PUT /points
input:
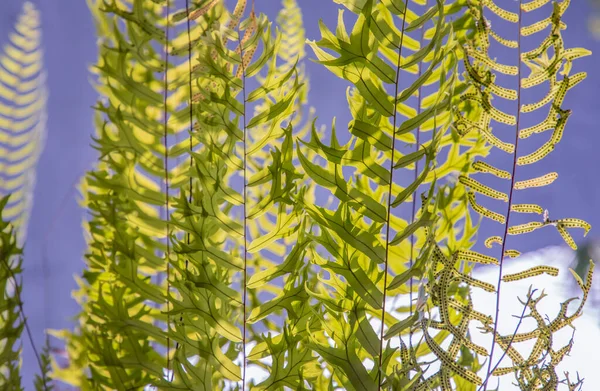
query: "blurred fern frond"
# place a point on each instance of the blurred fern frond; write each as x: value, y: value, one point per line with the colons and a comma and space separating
x: 22, y: 116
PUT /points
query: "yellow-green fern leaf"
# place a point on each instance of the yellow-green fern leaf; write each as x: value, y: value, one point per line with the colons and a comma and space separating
x: 22, y: 115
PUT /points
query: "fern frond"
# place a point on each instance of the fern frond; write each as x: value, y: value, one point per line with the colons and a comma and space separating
x: 11, y: 323
x: 22, y: 116
x: 238, y: 126
x: 401, y: 61
x: 43, y: 381
x: 121, y: 336
x: 549, y: 65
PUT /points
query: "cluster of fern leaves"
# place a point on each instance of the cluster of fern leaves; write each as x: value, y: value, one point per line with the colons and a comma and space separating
x: 235, y: 243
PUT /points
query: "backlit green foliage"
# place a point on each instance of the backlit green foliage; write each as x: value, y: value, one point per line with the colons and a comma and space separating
x: 234, y: 243
x: 12, y: 317
x: 11, y: 323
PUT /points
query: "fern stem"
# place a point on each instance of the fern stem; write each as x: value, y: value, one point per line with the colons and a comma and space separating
x: 166, y: 158
x: 389, y: 200
x: 245, y: 197
x: 187, y: 12
x: 416, y: 176
x: 510, y: 197
x: 24, y: 320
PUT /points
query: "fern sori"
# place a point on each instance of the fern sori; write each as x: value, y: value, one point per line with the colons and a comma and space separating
x: 550, y: 67
x: 22, y: 116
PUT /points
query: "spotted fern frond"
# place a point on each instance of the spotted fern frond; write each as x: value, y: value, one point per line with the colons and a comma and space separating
x: 548, y: 70
x: 22, y: 116
x: 549, y: 64
x: 539, y: 367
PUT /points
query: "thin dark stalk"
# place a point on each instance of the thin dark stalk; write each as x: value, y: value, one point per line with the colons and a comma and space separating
x: 484, y: 384
x: 245, y: 196
x: 389, y: 200
x: 166, y: 158
x: 190, y: 197
x: 510, y: 197
x: 24, y: 319
x: 416, y: 176
x: 187, y: 12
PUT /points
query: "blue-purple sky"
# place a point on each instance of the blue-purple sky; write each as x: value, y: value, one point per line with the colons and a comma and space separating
x: 70, y: 48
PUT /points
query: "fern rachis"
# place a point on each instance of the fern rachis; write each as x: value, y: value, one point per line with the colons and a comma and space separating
x: 543, y: 68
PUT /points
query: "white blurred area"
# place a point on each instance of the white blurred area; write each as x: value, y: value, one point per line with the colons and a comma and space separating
x: 585, y: 354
